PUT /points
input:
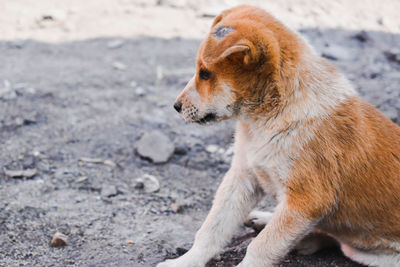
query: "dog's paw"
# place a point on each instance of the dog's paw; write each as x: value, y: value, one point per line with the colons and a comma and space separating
x: 258, y: 219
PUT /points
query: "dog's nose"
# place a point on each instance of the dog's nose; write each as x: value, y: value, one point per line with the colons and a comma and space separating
x: 178, y: 106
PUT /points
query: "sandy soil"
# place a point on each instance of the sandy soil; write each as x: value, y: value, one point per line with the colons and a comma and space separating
x: 87, y: 79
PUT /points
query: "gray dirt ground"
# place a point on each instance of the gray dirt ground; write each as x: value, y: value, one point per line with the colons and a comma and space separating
x: 89, y: 78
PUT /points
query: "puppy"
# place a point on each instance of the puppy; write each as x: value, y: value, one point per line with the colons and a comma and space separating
x: 302, y: 134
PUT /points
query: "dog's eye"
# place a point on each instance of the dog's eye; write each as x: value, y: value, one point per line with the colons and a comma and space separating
x: 204, y: 74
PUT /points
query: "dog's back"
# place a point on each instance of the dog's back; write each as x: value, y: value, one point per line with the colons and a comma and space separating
x: 352, y: 167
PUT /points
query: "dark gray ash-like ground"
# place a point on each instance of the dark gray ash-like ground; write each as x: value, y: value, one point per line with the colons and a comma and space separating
x: 70, y: 114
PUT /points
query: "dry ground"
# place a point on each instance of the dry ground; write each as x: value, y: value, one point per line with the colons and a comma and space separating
x: 89, y: 78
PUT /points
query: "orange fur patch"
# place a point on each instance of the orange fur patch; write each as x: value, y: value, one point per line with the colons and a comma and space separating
x: 349, y: 174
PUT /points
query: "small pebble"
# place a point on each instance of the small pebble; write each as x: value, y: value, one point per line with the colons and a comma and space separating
x: 139, y: 185
x: 133, y: 84
x: 28, y: 173
x: 115, y: 44
x: 59, y: 240
x: 150, y: 183
x: 336, y: 52
x: 393, y: 55
x: 108, y: 190
x: 362, y: 36
x: 140, y: 91
x: 181, y: 150
x: 119, y: 65
x: 175, y: 207
x: 212, y: 149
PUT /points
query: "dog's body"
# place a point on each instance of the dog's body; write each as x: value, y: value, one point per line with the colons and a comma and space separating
x: 331, y: 160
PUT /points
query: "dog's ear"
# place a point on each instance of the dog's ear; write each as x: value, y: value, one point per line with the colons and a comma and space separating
x: 239, y: 48
x: 241, y: 52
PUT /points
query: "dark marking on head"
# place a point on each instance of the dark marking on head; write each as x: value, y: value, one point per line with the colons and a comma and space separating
x: 222, y: 31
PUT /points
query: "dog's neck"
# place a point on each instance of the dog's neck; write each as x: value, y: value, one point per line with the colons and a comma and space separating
x: 309, y: 92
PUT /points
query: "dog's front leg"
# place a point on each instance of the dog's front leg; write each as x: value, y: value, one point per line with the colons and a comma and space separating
x: 235, y: 198
x: 286, y: 227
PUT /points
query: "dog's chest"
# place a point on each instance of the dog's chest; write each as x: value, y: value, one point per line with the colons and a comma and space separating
x: 268, y: 154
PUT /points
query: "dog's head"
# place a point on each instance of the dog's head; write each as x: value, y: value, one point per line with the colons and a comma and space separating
x: 237, y: 68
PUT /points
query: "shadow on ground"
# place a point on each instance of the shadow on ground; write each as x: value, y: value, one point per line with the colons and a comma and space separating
x: 96, y: 98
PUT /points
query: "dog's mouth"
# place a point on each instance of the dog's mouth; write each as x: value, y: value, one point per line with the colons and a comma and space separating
x: 209, y: 117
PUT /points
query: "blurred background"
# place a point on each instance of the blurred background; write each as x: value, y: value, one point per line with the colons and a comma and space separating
x: 97, y: 169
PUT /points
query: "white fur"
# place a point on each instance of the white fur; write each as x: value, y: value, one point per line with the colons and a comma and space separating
x: 370, y: 258
x: 260, y: 218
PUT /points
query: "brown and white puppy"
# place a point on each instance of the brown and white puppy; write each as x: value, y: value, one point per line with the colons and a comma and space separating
x: 332, y: 160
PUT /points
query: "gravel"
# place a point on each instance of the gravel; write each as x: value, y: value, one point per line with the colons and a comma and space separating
x: 90, y: 132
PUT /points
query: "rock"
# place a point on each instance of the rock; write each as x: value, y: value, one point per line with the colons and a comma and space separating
x: 393, y: 55
x: 115, y: 44
x: 155, y: 146
x: 47, y: 17
x: 59, y: 240
x: 181, y: 150
x: 18, y: 121
x: 139, y: 185
x: 362, y: 36
x: 150, y: 183
x: 108, y: 162
x: 52, y: 18
x: 108, y: 190
x: 336, y: 52
x: 212, y: 149
x: 175, y: 207
x: 7, y: 92
x: 83, y: 183
x: 119, y: 65
x: 28, y: 173
x: 140, y: 91
x: 28, y: 161
x: 17, y: 44
x: 228, y: 154
x: 30, y: 90
x: 20, y: 86
x: 133, y: 84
